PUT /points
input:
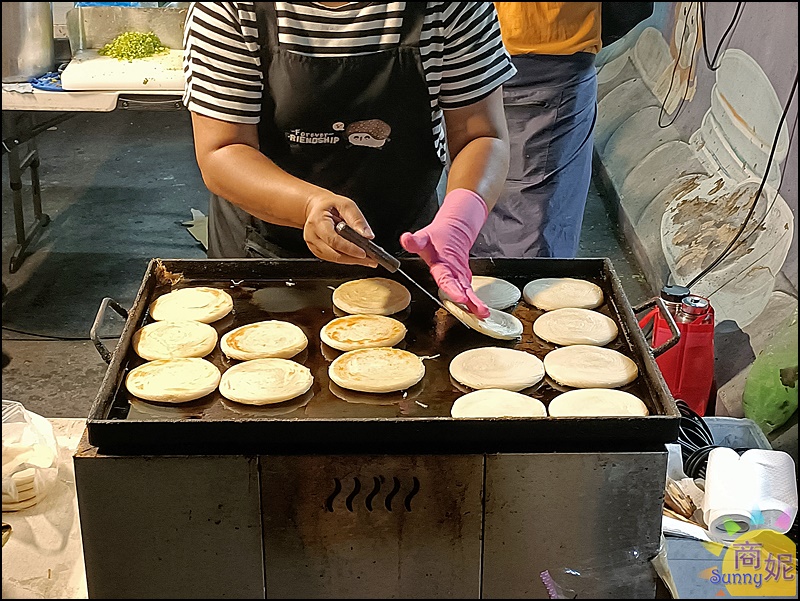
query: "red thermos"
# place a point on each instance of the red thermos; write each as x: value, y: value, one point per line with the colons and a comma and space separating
x: 688, y: 367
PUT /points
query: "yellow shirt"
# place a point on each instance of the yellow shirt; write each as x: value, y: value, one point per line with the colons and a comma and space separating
x: 550, y: 27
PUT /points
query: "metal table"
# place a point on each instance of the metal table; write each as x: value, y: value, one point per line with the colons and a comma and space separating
x: 21, y: 126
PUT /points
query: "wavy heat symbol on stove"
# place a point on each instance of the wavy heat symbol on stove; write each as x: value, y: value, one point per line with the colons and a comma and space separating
x: 369, y: 500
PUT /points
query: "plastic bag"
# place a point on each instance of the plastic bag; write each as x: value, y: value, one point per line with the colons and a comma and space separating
x: 770, y: 392
x: 618, y: 575
x: 30, y: 457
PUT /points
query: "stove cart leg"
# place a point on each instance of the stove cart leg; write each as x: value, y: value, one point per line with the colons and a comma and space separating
x: 20, y: 144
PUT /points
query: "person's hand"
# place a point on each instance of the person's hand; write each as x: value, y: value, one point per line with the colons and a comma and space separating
x: 445, y: 244
x: 323, y: 212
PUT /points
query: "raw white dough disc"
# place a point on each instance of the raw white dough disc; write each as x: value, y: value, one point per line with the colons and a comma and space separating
x: 174, y: 340
x: 377, y: 370
x: 497, y: 367
x: 265, y: 381
x: 263, y: 340
x: 372, y: 296
x: 593, y: 402
x: 496, y: 293
x: 499, y: 324
x: 353, y: 332
x: 558, y: 293
x: 496, y: 402
x: 584, y: 366
x: 575, y: 326
x: 173, y: 380
x: 194, y: 304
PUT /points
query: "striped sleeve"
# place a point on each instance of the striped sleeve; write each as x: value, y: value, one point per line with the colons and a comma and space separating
x: 474, y: 60
x: 222, y: 66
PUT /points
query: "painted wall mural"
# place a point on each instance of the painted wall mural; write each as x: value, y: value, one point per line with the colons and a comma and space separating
x: 686, y: 147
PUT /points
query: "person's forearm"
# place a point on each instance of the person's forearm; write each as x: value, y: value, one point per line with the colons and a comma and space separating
x: 481, y: 166
x: 244, y: 176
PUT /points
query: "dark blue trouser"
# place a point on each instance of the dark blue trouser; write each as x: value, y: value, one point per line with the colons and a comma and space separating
x: 551, y: 107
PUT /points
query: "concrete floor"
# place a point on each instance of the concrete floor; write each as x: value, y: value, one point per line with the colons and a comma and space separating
x: 117, y: 187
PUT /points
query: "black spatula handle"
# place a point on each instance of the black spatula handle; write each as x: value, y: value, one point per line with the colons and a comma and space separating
x: 384, y: 259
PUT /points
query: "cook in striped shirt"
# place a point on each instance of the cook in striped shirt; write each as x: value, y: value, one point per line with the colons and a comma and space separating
x: 310, y: 113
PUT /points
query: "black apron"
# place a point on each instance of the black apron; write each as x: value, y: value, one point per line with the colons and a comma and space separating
x: 359, y: 126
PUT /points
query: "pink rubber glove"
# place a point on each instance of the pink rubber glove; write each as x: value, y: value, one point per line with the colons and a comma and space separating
x: 445, y: 244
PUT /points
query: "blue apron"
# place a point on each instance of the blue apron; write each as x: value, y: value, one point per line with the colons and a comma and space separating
x: 551, y: 107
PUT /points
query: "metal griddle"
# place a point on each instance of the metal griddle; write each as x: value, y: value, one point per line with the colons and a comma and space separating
x: 331, y: 420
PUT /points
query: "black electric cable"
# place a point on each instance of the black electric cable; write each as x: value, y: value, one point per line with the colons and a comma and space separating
x: 663, y: 107
x: 737, y: 15
x: 695, y: 440
x: 749, y: 215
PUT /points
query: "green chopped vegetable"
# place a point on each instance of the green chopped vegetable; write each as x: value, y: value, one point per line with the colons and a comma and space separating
x: 131, y: 45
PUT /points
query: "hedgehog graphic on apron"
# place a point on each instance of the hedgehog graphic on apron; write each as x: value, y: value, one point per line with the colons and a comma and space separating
x: 373, y: 133
x: 370, y: 115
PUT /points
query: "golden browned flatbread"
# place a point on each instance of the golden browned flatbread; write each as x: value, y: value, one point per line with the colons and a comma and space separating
x: 174, y: 340
x: 173, y: 380
x: 263, y: 340
x: 584, y: 366
x: 575, y: 326
x: 362, y: 331
x: 549, y: 294
x: 377, y: 370
x: 265, y: 381
x: 371, y: 296
x: 194, y: 304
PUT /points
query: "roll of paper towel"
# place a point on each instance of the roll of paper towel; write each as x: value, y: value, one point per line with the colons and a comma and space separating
x: 754, y: 491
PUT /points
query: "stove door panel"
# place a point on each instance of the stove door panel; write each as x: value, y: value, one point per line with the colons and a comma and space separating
x: 372, y: 526
x: 596, y: 514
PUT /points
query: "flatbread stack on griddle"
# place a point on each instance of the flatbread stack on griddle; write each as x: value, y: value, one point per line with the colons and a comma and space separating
x: 265, y: 381
x: 585, y: 366
x: 549, y: 294
x: 173, y: 380
x: 263, y: 340
x: 495, y: 402
x: 497, y: 367
x: 499, y: 324
x: 378, y: 370
x: 174, y: 340
x: 495, y: 292
x: 569, y: 326
x: 371, y: 296
x: 597, y: 402
x: 354, y: 332
x: 194, y: 304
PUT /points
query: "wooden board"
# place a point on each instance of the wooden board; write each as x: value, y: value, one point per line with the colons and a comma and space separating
x: 89, y: 71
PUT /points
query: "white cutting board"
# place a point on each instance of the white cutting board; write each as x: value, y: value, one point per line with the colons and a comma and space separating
x: 89, y: 71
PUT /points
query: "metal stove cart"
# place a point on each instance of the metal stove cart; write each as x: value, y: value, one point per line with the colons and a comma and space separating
x: 350, y: 495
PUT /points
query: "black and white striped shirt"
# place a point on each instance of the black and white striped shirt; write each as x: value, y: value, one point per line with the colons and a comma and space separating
x: 462, y: 52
